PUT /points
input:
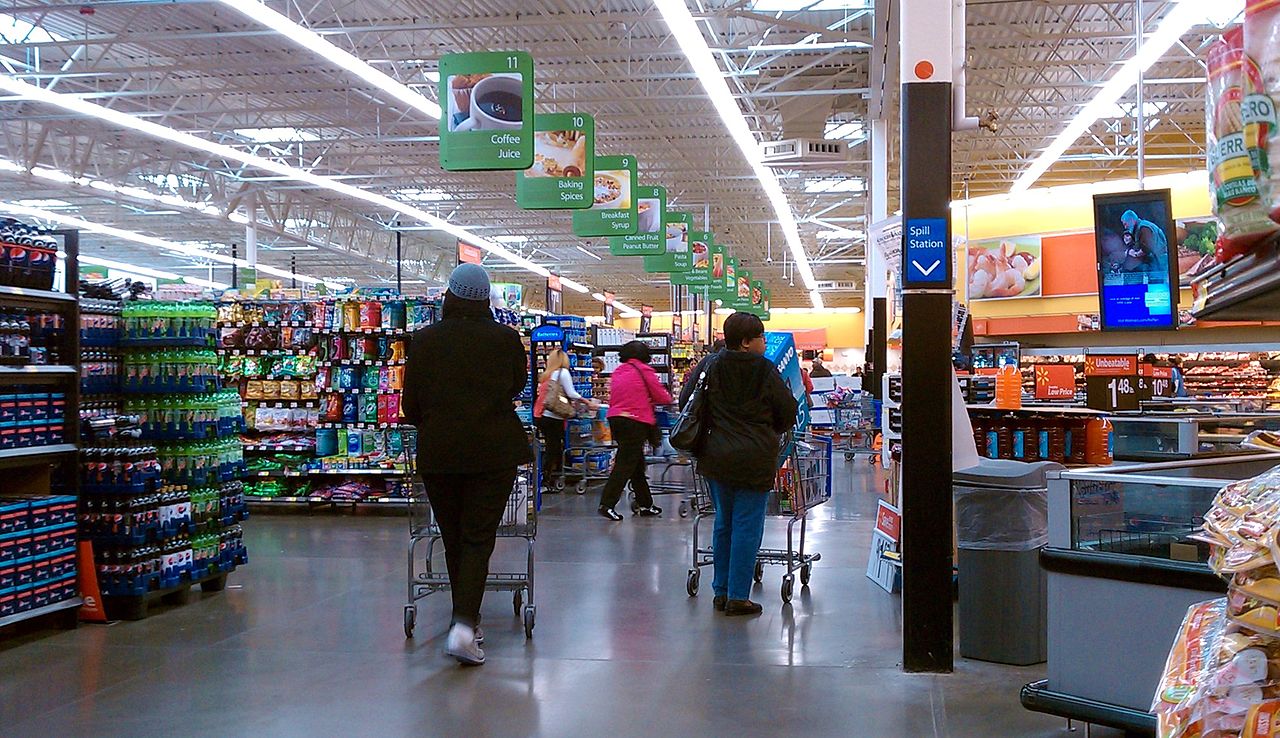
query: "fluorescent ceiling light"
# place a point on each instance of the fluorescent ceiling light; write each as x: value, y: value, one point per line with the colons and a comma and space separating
x: 815, y: 46
x: 597, y: 257
x: 287, y: 248
x: 1183, y: 16
x: 418, y: 194
x: 45, y: 203
x: 282, y: 134
x: 149, y: 272
x: 575, y: 286
x: 313, y: 42
x: 146, y: 240
x: 689, y: 36
x: 511, y: 239
x: 794, y: 6
x: 834, y: 184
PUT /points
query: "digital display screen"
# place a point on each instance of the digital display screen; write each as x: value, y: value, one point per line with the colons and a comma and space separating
x: 1137, y: 284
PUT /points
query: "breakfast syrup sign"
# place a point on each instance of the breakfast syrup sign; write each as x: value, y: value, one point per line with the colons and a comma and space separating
x: 563, y: 171
x: 649, y: 239
x: 613, y: 209
x: 486, y: 119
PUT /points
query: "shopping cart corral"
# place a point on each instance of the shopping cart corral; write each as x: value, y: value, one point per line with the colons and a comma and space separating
x: 803, y: 483
x: 519, y: 521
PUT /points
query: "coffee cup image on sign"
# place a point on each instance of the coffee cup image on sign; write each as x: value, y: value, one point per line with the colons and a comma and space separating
x: 700, y: 255
x: 677, y: 238
x: 486, y: 102
x: 558, y: 154
x: 649, y: 211
x: 717, y: 266
x: 612, y: 190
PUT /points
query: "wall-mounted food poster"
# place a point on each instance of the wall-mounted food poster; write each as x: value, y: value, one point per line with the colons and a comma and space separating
x: 677, y: 256
x: 487, y: 105
x: 649, y: 238
x: 699, y: 274
x: 1004, y: 267
x: 613, y: 209
x: 563, y: 170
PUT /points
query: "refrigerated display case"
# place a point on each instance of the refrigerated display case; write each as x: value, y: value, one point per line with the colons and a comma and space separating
x: 1168, y: 436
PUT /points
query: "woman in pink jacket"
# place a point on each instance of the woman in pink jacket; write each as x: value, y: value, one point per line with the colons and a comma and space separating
x: 633, y: 391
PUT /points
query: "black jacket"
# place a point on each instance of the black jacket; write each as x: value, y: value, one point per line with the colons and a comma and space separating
x: 460, y: 379
x: 750, y: 409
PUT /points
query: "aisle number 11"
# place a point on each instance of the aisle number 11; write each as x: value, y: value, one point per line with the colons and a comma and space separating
x: 486, y: 101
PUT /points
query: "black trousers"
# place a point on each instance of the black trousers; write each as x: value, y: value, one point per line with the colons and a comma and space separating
x: 552, y: 430
x: 468, y: 509
x: 630, y: 435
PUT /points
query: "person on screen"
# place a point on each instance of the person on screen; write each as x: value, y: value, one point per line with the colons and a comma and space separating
x: 1146, y: 244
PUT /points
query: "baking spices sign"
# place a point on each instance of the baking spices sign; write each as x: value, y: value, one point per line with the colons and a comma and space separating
x: 563, y: 173
x: 613, y: 210
x: 486, y: 120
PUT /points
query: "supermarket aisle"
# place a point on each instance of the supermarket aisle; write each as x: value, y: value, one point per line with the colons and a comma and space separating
x: 309, y: 642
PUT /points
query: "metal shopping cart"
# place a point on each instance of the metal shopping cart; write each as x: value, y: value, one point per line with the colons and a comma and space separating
x: 803, y: 483
x: 519, y: 520
x: 856, y: 426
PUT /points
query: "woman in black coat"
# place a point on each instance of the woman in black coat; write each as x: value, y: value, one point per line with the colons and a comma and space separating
x: 750, y: 407
x: 461, y: 376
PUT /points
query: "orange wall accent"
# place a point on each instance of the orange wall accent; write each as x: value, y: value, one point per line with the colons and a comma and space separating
x: 1070, y: 265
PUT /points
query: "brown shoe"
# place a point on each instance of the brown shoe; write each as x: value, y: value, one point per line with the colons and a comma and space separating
x: 718, y: 602
x: 742, y: 607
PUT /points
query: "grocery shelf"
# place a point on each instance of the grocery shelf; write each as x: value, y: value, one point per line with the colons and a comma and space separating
x: 18, y: 617
x: 252, y: 500
x: 34, y: 452
x: 1245, y: 288
x: 284, y: 404
x: 281, y: 447
x: 34, y: 298
x: 31, y: 371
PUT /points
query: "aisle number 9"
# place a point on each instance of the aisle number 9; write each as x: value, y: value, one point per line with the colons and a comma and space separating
x: 625, y: 162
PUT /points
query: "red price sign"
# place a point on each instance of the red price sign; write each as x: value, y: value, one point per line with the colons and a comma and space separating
x: 1055, y: 382
x: 888, y: 521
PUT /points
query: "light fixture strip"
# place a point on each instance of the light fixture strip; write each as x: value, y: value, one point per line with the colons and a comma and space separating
x: 148, y: 271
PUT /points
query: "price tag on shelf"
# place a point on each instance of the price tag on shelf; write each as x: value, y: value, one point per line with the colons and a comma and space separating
x: 1111, y: 382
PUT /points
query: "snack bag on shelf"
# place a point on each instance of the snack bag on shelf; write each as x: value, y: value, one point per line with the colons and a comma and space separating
x: 1262, y: 720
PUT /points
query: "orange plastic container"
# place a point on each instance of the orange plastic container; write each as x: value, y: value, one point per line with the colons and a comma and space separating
x: 1009, y: 388
x: 1099, y: 442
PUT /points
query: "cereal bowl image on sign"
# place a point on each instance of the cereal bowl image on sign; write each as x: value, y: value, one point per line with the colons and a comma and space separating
x: 487, y: 101
x: 613, y: 209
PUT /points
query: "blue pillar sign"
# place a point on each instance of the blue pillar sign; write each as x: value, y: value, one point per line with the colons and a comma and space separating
x: 926, y: 261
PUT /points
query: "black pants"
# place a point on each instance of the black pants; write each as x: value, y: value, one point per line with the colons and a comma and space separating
x: 552, y: 430
x: 468, y: 509
x: 630, y: 435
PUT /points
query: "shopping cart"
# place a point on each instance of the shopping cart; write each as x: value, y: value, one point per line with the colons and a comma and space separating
x: 588, y: 449
x: 856, y: 426
x: 803, y: 483
x: 519, y: 520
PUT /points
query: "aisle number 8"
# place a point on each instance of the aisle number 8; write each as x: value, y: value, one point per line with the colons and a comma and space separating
x: 513, y: 62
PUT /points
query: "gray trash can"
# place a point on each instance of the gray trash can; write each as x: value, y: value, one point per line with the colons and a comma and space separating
x: 1002, y: 521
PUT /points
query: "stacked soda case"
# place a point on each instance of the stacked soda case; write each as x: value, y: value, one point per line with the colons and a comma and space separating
x: 37, y: 552
x: 101, y: 360
x: 169, y: 324
x: 28, y: 255
x: 31, y: 416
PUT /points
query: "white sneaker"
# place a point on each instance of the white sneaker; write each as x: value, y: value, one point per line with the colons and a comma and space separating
x: 462, y: 645
x: 479, y: 636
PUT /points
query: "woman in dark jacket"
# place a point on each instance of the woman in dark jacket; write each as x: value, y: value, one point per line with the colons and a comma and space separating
x: 750, y: 407
x: 461, y: 376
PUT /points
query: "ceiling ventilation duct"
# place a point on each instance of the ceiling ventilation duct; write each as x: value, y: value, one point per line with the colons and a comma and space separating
x: 800, y: 152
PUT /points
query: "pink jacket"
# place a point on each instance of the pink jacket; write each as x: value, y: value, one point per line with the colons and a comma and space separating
x: 633, y: 391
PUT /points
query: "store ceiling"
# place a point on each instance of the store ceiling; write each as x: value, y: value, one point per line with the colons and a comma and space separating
x: 203, y: 68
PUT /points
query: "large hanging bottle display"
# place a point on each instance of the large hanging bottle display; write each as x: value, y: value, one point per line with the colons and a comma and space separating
x: 163, y: 509
x: 320, y: 382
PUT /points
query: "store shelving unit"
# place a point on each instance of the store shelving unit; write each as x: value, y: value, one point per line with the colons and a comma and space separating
x: 1245, y: 288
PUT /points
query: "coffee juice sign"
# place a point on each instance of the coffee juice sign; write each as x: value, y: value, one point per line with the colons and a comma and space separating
x: 613, y: 209
x: 486, y: 101
x: 563, y: 171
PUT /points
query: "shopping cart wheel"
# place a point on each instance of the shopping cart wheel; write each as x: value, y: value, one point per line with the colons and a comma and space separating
x: 581, y: 487
x: 530, y: 616
x: 848, y: 456
x: 517, y: 600
x: 558, y: 484
x: 873, y: 459
x: 759, y: 574
x: 788, y: 586
x: 691, y: 584
x: 806, y: 572
x: 410, y: 619
x: 684, y: 508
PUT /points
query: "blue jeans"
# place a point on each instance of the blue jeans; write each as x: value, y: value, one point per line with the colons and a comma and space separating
x: 736, y: 537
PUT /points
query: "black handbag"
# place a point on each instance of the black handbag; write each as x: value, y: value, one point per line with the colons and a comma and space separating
x: 692, y: 424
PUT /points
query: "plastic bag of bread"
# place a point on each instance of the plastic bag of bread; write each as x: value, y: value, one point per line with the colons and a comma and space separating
x: 1260, y: 41
x: 1236, y: 145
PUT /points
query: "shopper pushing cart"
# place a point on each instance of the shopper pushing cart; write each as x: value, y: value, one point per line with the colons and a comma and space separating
x: 746, y: 408
x: 461, y: 378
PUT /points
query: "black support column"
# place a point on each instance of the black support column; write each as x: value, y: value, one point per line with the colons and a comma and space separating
x: 927, y: 616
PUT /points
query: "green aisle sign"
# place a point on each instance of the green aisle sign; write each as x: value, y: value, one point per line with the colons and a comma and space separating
x: 486, y: 120
x: 677, y: 257
x: 726, y: 287
x: 764, y: 305
x: 564, y: 146
x: 613, y: 209
x: 757, y: 296
x: 742, y: 299
x: 649, y: 238
x: 701, y: 245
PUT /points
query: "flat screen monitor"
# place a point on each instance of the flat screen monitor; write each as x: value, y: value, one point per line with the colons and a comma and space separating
x: 1137, y: 279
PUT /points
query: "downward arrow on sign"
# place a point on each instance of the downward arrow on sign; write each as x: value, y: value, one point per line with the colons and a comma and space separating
x: 923, y: 271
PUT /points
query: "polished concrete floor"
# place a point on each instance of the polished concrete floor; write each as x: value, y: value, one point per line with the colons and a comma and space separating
x: 307, y: 641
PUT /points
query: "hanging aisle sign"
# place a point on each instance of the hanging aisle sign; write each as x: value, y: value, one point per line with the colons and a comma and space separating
x: 676, y: 259
x: 757, y: 296
x: 700, y: 247
x: 725, y: 288
x: 646, y: 318
x: 608, y: 308
x: 649, y: 238
x: 613, y: 208
x: 764, y: 305
x: 563, y: 164
x: 487, y: 111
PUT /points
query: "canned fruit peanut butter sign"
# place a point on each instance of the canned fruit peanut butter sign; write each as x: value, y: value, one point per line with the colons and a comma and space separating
x: 649, y: 239
x: 563, y: 170
x: 613, y: 208
x: 486, y: 102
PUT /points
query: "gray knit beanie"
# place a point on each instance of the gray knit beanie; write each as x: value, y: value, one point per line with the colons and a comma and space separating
x: 470, y: 282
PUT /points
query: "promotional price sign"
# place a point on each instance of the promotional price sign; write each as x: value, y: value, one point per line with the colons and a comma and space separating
x: 487, y: 110
x: 1111, y: 382
x: 699, y: 274
x: 555, y: 295
x: 677, y: 255
x: 468, y: 254
x: 649, y: 238
x: 608, y: 308
x: 1055, y: 381
x: 563, y: 173
x: 1154, y: 381
x: 646, y: 318
x: 613, y: 208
